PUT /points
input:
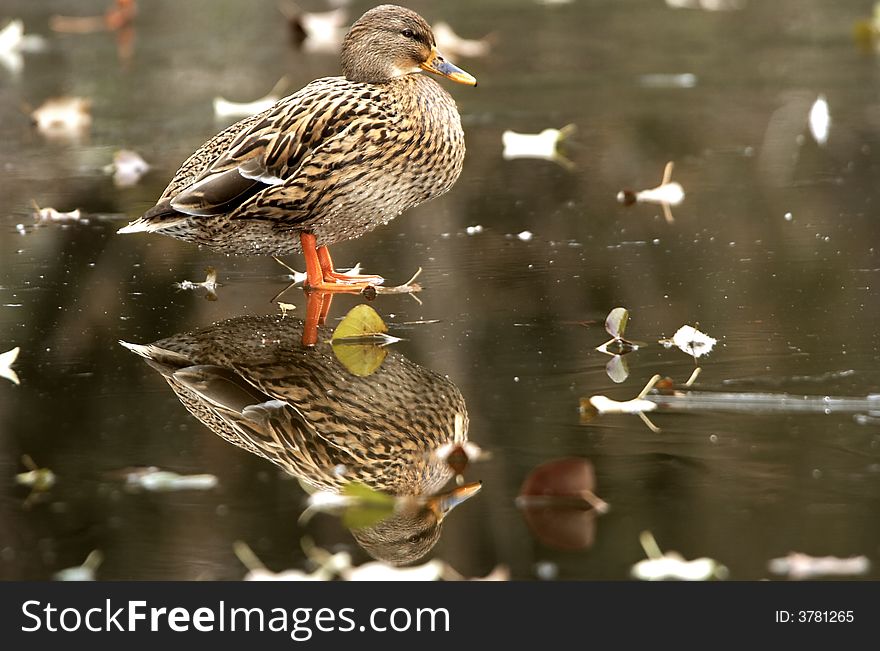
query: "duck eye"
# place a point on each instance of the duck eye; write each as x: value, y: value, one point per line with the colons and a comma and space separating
x: 408, y: 33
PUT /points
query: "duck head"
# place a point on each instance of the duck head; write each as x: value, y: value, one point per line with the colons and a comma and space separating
x: 389, y: 42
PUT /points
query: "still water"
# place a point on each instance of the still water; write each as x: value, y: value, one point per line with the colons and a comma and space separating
x: 774, y: 252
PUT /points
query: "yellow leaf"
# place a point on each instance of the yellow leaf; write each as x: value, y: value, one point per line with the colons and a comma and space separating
x: 361, y: 321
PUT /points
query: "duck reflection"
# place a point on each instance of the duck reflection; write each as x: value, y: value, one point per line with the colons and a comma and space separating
x: 251, y: 381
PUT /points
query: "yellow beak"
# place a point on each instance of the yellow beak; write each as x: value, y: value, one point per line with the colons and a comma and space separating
x: 440, y: 66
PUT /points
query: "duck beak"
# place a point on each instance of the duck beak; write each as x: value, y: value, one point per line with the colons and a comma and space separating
x: 442, y: 504
x: 440, y: 66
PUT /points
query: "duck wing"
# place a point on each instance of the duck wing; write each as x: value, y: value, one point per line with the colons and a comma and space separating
x: 271, y: 147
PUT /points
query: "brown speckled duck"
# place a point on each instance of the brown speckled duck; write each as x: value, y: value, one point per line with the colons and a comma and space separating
x: 329, y: 163
x: 252, y: 383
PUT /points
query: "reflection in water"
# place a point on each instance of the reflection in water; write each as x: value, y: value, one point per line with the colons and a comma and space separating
x: 252, y: 382
x: 558, y: 502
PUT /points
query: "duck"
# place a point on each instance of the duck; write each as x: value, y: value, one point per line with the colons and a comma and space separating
x: 329, y: 163
x: 251, y: 382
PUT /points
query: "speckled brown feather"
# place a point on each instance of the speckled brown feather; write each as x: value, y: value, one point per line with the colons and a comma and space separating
x: 337, y: 158
x: 250, y: 381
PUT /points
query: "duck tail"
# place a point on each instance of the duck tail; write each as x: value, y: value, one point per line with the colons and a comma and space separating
x: 158, y: 218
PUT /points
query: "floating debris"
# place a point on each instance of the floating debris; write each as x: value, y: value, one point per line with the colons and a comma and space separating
x: 544, y: 145
x: 677, y: 80
x: 707, y: 5
x: 455, y: 46
x: 691, y: 341
x: 316, y: 32
x: 820, y: 120
x: 667, y: 194
x: 56, y: 216
x: 802, y: 566
x: 84, y: 572
x: 223, y: 108
x: 295, y: 277
x: 7, y: 359
x: 257, y: 571
x: 285, y: 308
x: 672, y: 565
x: 153, y: 479
x: 433, y: 570
x: 525, y: 236
x: 127, y: 168
x: 599, y: 405
x: 14, y: 42
x: 40, y: 480
x: 615, y: 325
x: 63, y: 117
x: 210, y: 284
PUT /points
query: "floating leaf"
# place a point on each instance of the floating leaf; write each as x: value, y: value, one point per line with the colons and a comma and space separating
x: 7, y: 359
x: 454, y: 46
x: 84, y: 572
x: 615, y: 322
x: 210, y: 284
x: 691, y: 341
x: 361, y: 360
x: 155, y: 480
x: 802, y: 566
x: 376, y: 571
x: 820, y: 120
x: 672, y: 565
x: 361, y: 322
x: 668, y: 193
x: 544, y: 145
x: 127, y: 168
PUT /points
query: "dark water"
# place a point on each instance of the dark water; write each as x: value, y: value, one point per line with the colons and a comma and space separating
x: 792, y: 300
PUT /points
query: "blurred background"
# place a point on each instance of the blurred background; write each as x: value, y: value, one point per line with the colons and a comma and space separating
x: 773, y: 252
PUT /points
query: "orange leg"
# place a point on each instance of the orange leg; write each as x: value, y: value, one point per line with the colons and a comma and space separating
x: 317, y: 308
x: 330, y: 272
x: 320, y: 275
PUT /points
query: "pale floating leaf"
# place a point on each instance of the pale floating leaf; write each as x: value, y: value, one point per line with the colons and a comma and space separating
x: 543, y: 145
x: 672, y: 566
x: 38, y: 479
x: 52, y: 215
x: 155, y: 480
x: 7, y: 359
x: 127, y: 168
x: 84, y: 572
x: 615, y: 322
x: 375, y: 571
x: 317, y: 32
x: 691, y: 341
x: 675, y: 567
x: 820, y: 120
x: 63, y: 117
x: 802, y: 566
x: 361, y: 322
x: 605, y: 405
x: 285, y: 308
x: 454, y: 46
x: 668, y: 193
x: 257, y: 571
